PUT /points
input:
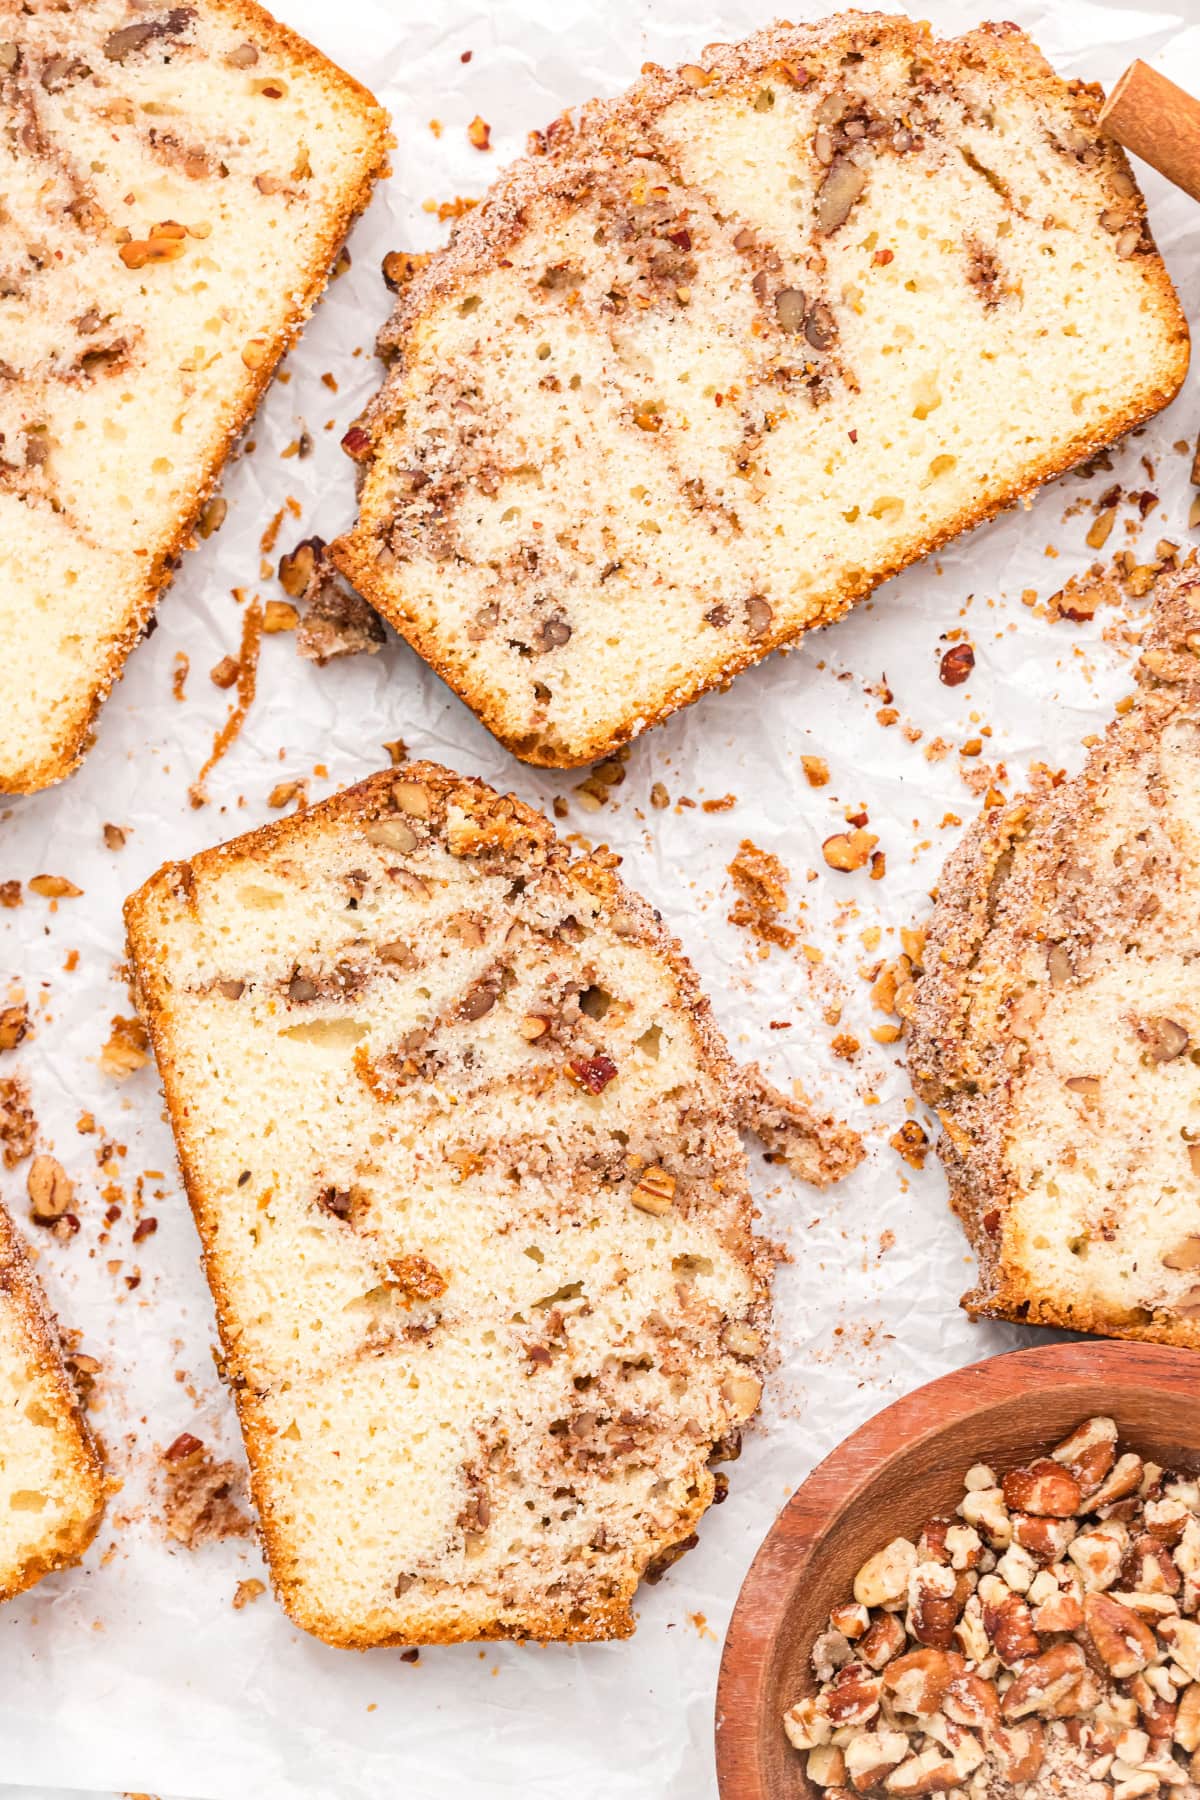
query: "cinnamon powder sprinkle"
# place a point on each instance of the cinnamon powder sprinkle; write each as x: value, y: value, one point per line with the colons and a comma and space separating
x: 247, y: 682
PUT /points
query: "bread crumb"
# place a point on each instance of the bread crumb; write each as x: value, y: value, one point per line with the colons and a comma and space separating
x: 199, y: 1501
x: 18, y: 1127
x: 761, y: 881
x: 449, y: 209
x: 267, y: 542
x: 247, y: 682
x: 817, y: 1149
x: 127, y: 1049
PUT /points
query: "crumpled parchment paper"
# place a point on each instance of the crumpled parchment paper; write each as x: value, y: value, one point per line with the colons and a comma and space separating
x: 136, y: 1673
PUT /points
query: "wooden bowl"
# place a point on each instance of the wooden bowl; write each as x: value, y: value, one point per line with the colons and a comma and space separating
x: 884, y: 1482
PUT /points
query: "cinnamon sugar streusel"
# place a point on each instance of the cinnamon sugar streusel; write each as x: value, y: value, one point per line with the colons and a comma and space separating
x: 678, y: 324
x: 1055, y: 1028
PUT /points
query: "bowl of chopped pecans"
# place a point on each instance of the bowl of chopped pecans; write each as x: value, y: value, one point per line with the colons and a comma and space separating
x: 992, y: 1589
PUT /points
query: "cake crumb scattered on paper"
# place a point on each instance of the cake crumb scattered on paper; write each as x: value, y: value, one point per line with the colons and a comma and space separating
x: 761, y: 881
x: 201, y: 1495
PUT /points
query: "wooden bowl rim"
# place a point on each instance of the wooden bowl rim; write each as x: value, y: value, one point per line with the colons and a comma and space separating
x: 837, y: 1482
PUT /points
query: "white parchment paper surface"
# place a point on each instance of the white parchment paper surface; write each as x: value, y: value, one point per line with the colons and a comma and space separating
x: 135, y: 1672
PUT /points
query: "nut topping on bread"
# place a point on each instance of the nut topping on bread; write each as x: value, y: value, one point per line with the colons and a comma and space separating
x: 174, y: 194
x: 51, y: 1480
x: 727, y: 351
x: 461, y: 1138
x: 1056, y: 1023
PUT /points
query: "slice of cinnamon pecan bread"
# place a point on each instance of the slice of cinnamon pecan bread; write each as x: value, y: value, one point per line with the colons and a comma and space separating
x: 176, y: 182
x: 51, y: 1481
x: 1057, y: 1026
x: 734, y: 348
x: 460, y: 1135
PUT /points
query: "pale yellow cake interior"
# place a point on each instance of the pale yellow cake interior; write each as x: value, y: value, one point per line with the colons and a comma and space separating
x: 163, y: 199
x: 50, y: 1489
x: 481, y: 1381
x: 696, y: 402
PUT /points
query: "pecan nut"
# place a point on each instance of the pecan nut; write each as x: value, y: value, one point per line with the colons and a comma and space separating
x: 935, y: 1602
x: 883, y: 1639
x: 1089, y: 1452
x: 917, y: 1682
x: 883, y: 1579
x: 1045, y: 1488
x: 1043, y: 1682
x: 871, y: 1755
x: 1122, y: 1642
x: 1007, y: 1621
x: 852, y: 1697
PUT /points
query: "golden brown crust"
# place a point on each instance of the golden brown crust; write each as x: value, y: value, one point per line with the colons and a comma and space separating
x: 996, y: 896
x: 163, y: 558
x: 603, y: 1620
x: 612, y: 131
x: 510, y: 822
x: 22, y: 1293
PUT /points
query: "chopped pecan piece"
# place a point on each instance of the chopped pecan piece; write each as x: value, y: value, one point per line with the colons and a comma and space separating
x: 654, y: 1192
x: 852, y: 1697
x: 956, y: 665
x: 917, y: 1681
x: 1089, y: 1453
x: 50, y: 1190
x: 14, y: 1026
x: 1008, y: 1622
x: 1122, y: 1642
x: 128, y: 39
x: 1043, y: 1682
x: 592, y: 1073
x: 415, y: 1278
x: 869, y: 1756
x: 1045, y: 1488
x: 883, y: 1578
x: 883, y: 1639
x: 934, y: 1604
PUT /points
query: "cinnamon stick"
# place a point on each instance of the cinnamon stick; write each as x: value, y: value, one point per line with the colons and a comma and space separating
x: 1157, y: 121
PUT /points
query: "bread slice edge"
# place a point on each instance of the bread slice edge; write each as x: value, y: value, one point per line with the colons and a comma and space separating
x: 163, y: 557
x: 23, y: 1293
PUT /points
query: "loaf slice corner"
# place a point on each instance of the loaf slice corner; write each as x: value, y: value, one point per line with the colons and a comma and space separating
x: 461, y: 1139
x: 1056, y: 1029
x: 178, y: 182
x: 730, y: 350
x: 52, y: 1486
